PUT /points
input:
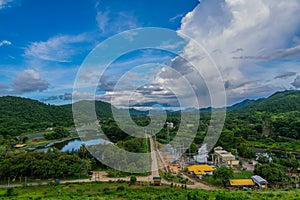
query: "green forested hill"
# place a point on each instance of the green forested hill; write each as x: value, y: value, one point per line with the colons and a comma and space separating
x: 279, y: 102
x: 269, y: 122
x: 18, y: 115
x: 279, y: 113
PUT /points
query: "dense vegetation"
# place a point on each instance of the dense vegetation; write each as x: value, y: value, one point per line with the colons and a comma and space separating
x: 278, y: 171
x: 224, y: 174
x: 19, y: 115
x: 137, y: 191
x: 272, y: 123
x: 274, y: 119
x: 43, y: 165
x: 59, y: 132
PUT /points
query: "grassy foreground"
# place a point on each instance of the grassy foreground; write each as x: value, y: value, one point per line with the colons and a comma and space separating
x: 124, y: 191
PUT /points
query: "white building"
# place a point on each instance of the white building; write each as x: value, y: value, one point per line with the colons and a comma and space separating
x: 202, y: 154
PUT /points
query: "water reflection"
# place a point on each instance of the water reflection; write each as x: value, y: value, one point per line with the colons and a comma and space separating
x: 74, y: 145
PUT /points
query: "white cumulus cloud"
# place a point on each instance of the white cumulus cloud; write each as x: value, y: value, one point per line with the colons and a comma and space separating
x: 5, y: 42
x: 28, y: 81
x: 253, y: 29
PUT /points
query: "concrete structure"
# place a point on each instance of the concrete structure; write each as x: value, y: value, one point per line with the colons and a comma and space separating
x: 202, y: 154
x: 222, y: 156
x: 260, y: 182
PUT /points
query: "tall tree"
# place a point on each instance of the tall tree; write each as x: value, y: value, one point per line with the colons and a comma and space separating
x: 224, y: 174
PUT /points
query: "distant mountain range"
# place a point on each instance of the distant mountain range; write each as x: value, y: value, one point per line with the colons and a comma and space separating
x: 279, y: 102
x: 18, y: 115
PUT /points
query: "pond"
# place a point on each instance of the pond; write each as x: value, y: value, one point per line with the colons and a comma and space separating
x: 74, y: 144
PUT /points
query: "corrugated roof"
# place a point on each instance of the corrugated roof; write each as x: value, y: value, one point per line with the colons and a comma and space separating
x: 241, y: 182
x: 200, y: 169
x: 259, y: 179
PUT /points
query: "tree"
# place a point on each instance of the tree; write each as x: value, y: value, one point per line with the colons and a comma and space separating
x: 224, y: 174
x: 245, y: 150
x: 59, y: 132
x: 272, y: 172
x: 193, y: 148
x: 133, y: 179
x: 83, y: 152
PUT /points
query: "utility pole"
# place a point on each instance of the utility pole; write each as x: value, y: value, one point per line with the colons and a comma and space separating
x: 168, y: 135
x: 149, y: 163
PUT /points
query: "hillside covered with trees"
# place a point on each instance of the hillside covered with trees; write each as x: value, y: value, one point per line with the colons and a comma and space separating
x: 21, y: 115
x: 268, y: 120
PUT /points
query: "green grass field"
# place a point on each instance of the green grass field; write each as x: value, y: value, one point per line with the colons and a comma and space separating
x: 243, y: 175
x: 138, y: 191
x: 291, y: 145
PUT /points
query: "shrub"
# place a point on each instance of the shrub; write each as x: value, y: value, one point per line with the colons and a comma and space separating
x: 79, y: 191
x: 120, y: 188
x: 133, y: 179
x: 10, y: 192
x: 106, y: 190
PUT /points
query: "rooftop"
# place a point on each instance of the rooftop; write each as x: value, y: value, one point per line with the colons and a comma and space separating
x: 259, y: 179
x: 200, y: 169
x: 225, y: 155
x: 241, y: 182
x: 19, y: 145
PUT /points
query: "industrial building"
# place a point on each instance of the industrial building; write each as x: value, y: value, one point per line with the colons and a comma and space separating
x: 200, y: 170
x: 202, y: 155
x: 222, y: 156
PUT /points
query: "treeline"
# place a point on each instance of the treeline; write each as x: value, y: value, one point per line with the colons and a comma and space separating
x: 43, y: 165
x: 278, y: 171
x: 59, y: 132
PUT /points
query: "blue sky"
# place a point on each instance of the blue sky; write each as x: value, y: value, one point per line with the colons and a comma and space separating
x: 255, y: 46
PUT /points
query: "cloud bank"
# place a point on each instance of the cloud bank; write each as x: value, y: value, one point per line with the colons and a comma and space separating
x: 228, y: 29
